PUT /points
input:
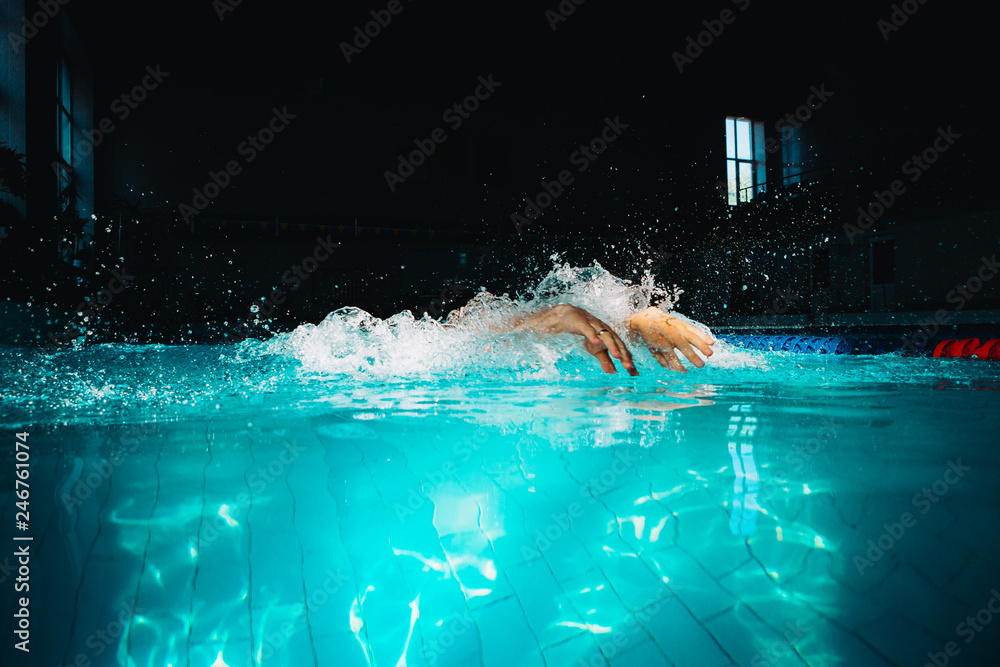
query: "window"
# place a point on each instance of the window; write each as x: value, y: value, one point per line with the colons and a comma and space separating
x: 745, y: 175
x: 64, y: 123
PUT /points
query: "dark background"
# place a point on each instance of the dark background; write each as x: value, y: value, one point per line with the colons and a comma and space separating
x: 654, y: 192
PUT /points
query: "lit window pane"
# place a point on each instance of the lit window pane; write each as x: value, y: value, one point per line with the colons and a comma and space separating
x: 731, y: 181
x: 743, y: 151
x: 64, y: 87
x: 730, y: 138
x: 761, y: 178
x: 746, y: 181
x: 759, y: 153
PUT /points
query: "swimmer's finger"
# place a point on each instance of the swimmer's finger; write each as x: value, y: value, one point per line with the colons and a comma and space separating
x: 702, y: 341
x: 609, y: 340
x: 591, y: 331
x: 692, y: 356
x: 624, y: 355
x: 607, y: 365
x: 669, y: 360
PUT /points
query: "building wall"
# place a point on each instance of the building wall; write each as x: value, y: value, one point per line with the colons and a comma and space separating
x: 13, y: 96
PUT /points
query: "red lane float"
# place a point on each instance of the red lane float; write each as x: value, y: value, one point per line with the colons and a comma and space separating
x: 968, y: 348
x: 990, y: 349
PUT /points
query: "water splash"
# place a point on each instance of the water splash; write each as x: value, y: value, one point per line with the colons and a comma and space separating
x: 472, y: 340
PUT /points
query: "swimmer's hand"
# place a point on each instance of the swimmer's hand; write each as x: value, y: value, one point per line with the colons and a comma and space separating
x: 664, y: 334
x: 599, y: 338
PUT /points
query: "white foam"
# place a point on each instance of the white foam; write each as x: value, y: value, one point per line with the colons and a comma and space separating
x: 474, y: 339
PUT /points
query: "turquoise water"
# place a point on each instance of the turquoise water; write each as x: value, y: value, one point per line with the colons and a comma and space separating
x: 398, y: 493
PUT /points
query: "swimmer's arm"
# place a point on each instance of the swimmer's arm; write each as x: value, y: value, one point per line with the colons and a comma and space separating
x: 599, y: 338
x: 663, y: 335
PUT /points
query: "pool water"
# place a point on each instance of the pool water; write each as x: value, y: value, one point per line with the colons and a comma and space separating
x: 398, y: 493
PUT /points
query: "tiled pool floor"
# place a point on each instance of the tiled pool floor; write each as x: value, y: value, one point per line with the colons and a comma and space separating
x: 730, y: 533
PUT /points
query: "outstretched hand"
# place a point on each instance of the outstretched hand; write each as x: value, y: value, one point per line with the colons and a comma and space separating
x: 663, y: 335
x: 599, y: 339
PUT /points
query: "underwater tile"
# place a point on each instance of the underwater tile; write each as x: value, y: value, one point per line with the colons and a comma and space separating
x: 105, y: 601
x: 451, y: 638
x: 49, y: 641
x: 233, y: 651
x: 387, y: 613
x: 692, y: 495
x: 351, y: 484
x: 633, y: 581
x: 220, y: 603
x: 566, y: 557
x: 746, y: 638
x: 61, y: 562
x: 318, y: 529
x: 854, y: 573
x: 821, y: 642
x: 761, y: 593
x: 163, y: 598
x: 588, y: 463
x: 455, y: 511
x: 509, y: 478
x: 815, y: 586
x: 364, y: 530
x: 275, y: 572
x: 646, y: 653
x: 973, y: 583
x: 707, y: 533
x: 572, y: 651
x: 614, y: 628
x: 899, y: 640
x: 935, y: 559
x: 780, y: 554
x: 273, y: 512
x: 513, y: 549
x: 340, y: 649
x: 595, y: 600
x: 909, y: 594
x: 506, y: 636
x: 330, y: 591
x: 979, y: 532
x: 550, y: 615
x: 473, y: 564
x: 680, y: 637
x: 281, y: 636
x: 699, y: 591
x: 589, y: 520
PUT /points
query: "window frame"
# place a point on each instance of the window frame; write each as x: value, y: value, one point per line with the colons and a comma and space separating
x: 746, y: 169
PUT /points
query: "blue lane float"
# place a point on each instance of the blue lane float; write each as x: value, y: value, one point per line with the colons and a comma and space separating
x: 814, y: 344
